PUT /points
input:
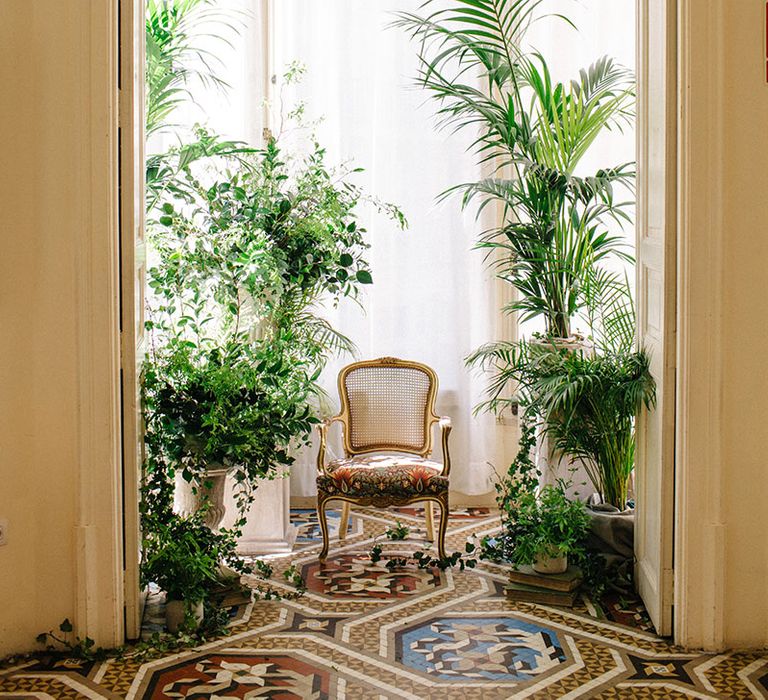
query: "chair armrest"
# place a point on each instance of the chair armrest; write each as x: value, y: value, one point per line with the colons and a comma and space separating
x: 322, y: 431
x: 445, y: 430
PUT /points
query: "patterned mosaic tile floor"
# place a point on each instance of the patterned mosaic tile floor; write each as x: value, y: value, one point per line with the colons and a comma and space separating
x: 362, y: 631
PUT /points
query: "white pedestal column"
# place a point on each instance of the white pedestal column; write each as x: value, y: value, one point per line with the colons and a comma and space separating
x: 268, y: 528
x: 553, y: 468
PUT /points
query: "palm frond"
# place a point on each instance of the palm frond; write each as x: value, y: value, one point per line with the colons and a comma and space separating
x: 174, y: 58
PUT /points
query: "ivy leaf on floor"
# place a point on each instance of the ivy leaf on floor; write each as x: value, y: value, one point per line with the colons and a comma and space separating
x: 398, y: 531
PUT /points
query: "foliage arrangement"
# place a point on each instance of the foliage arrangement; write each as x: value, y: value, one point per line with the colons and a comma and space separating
x: 183, y: 557
x: 554, y: 242
x: 584, y: 400
x: 547, y: 524
x: 534, y: 523
x: 243, y: 261
x: 398, y: 531
x: 589, y: 405
x: 533, y: 133
x: 246, y: 243
x: 423, y: 559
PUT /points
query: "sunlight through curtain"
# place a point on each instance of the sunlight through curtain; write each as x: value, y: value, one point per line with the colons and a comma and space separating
x: 432, y: 299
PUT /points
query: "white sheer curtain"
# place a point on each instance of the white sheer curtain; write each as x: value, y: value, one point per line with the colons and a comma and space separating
x: 432, y: 299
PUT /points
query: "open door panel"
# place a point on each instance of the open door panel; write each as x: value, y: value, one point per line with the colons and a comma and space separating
x: 656, y: 303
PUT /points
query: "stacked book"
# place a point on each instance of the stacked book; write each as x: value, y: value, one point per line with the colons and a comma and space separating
x: 528, y: 586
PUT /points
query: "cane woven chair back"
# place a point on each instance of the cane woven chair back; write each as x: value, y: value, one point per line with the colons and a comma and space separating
x: 388, y: 404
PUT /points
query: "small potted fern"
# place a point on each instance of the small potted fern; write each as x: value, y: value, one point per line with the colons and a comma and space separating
x: 546, y: 528
x: 182, y: 556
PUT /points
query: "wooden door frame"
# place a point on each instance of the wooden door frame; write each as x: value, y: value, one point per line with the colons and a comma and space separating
x: 132, y: 257
x: 99, y: 527
x: 700, y: 471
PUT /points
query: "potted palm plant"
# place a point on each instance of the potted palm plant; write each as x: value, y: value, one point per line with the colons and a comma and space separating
x: 534, y: 132
x: 555, y: 236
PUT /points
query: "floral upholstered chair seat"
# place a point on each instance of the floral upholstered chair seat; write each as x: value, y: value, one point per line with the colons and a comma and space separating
x: 383, y: 475
x: 387, y: 416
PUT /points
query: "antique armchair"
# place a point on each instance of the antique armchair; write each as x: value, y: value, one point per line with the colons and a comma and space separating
x: 387, y: 406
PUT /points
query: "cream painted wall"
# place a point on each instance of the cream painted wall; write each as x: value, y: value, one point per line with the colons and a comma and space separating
x: 58, y: 411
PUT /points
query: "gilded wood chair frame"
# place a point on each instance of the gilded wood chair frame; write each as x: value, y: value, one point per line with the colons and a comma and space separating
x: 425, y: 450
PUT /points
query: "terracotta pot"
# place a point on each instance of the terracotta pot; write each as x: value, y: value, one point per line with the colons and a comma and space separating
x: 545, y: 564
x: 175, y: 611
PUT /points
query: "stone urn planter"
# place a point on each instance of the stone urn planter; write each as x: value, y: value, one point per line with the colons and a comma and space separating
x: 175, y: 612
x: 268, y: 528
x: 187, y: 501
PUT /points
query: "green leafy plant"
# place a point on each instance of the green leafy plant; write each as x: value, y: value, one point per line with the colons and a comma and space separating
x: 218, y: 408
x: 174, y: 57
x: 74, y: 646
x: 546, y: 524
x: 245, y: 245
x: 398, y: 531
x: 244, y: 259
x: 423, y: 559
x: 535, y: 522
x: 589, y: 403
x: 183, y: 556
x: 554, y: 240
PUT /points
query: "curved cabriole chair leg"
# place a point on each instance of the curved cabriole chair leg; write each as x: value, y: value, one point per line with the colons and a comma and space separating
x: 322, y: 518
x: 429, y: 512
x: 443, y: 503
x: 344, y: 524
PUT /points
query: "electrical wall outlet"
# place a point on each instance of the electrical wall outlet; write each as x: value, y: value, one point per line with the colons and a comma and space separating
x: 3, y: 531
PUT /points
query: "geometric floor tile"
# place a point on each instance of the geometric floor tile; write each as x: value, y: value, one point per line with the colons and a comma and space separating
x: 305, y: 520
x: 660, y: 669
x: 354, y: 576
x: 498, y: 649
x: 238, y: 675
x: 363, y: 631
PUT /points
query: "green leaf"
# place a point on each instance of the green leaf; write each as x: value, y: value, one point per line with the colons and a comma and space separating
x: 346, y: 260
x: 66, y: 625
x: 364, y: 277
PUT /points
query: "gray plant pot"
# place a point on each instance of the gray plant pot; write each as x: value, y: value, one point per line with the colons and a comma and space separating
x: 612, y: 532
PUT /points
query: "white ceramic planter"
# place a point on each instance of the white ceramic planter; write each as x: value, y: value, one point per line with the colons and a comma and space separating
x: 175, y: 611
x: 550, y: 565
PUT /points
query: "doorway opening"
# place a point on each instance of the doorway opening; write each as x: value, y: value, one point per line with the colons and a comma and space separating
x: 430, y: 285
